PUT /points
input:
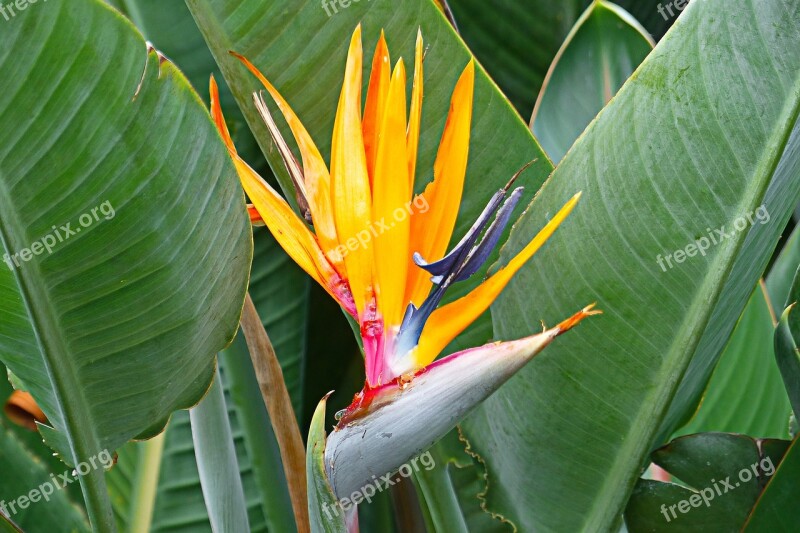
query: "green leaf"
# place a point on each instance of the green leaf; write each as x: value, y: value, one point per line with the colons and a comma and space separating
x: 259, y: 456
x: 170, y: 28
x: 794, y: 297
x: 788, y: 358
x: 722, y: 476
x: 32, y: 440
x: 603, y: 49
x: 145, y: 484
x: 217, y: 465
x: 148, y: 285
x: 24, y: 475
x: 324, y: 510
x: 278, y: 288
x: 517, y: 57
x: 783, y: 272
x: 517, y: 40
x: 179, y: 502
x: 777, y: 509
x: 745, y: 393
x: 7, y: 526
x: 595, y: 400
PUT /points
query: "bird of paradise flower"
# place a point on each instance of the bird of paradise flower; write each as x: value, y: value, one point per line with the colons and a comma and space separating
x: 392, y: 284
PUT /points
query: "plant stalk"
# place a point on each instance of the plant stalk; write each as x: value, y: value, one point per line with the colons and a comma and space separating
x: 146, y: 484
x: 281, y: 413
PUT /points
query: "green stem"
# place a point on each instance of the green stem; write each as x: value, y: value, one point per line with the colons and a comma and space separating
x: 217, y: 463
x: 146, y: 484
x: 258, y: 434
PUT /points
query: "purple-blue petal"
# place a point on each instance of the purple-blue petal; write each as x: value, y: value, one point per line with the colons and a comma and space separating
x: 481, y: 252
x: 445, y: 265
x: 463, y: 261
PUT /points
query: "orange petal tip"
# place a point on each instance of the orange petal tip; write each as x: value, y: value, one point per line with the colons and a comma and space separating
x: 576, y: 319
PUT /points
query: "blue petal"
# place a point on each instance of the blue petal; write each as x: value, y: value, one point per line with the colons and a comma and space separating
x: 479, y: 254
x: 462, y: 262
x: 445, y: 265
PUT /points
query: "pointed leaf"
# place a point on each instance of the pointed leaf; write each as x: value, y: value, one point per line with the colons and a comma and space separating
x: 776, y: 508
x: 217, y: 463
x: 599, y: 54
x: 788, y: 357
x: 146, y: 191
x: 722, y: 476
x: 24, y: 473
x: 325, y: 512
x: 179, y: 501
x: 596, y: 402
x: 518, y: 57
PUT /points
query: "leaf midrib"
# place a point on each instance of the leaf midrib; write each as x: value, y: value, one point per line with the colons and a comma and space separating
x: 69, y: 398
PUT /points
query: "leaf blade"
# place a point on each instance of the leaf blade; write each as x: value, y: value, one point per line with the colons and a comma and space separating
x: 579, y: 396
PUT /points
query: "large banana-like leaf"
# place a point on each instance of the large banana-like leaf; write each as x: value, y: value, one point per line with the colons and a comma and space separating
x: 692, y: 142
x: 283, y: 303
x: 7, y: 526
x: 516, y: 41
x: 132, y: 240
x: 178, y: 503
x: 744, y: 394
x: 279, y: 290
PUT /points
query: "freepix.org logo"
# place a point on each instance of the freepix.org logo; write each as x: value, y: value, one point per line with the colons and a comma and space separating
x: 44, y: 491
x: 11, y: 9
x: 58, y: 235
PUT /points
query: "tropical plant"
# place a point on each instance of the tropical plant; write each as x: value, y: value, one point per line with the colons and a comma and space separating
x: 232, y: 208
